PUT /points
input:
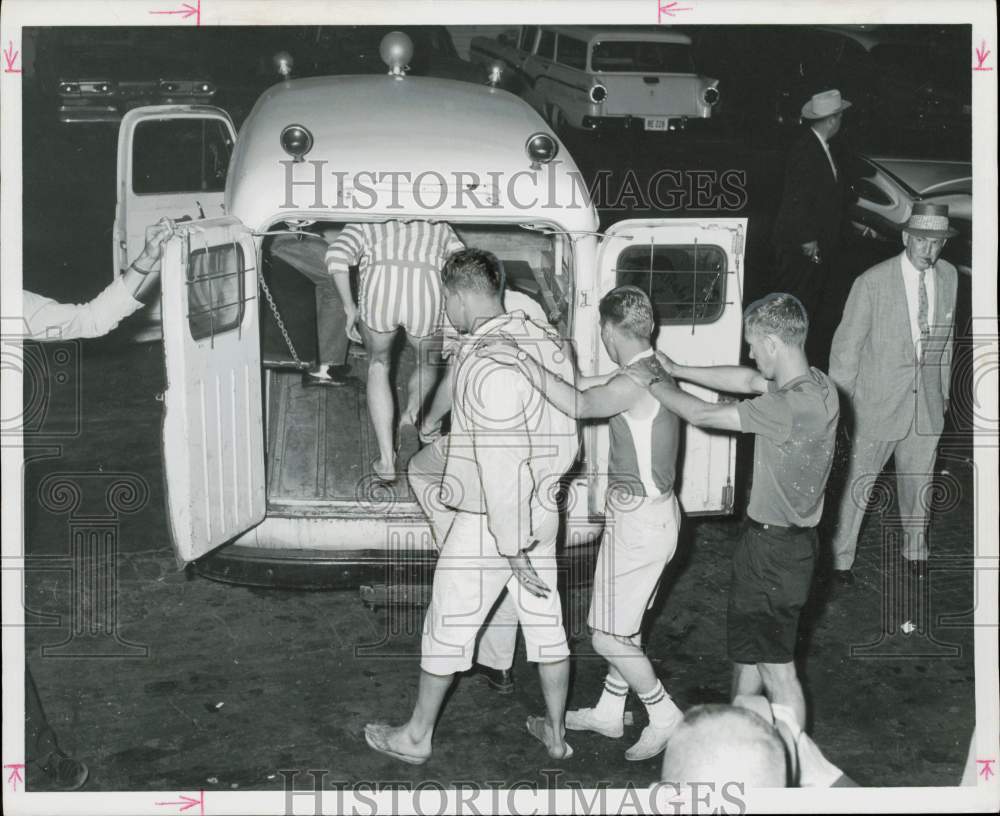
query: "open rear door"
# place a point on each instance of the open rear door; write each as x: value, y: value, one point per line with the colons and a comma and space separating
x: 172, y: 161
x: 213, y: 443
x: 693, y: 271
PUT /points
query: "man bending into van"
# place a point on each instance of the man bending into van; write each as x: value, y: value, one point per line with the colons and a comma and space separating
x: 642, y: 518
x: 506, y: 450
x: 794, y: 420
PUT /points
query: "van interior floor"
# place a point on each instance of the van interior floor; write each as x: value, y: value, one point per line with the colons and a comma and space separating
x: 321, y: 442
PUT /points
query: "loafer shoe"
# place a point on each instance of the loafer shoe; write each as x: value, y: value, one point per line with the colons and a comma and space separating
x: 500, y: 680
x: 584, y: 719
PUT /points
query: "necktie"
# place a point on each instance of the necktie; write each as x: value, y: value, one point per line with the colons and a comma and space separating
x: 922, y: 309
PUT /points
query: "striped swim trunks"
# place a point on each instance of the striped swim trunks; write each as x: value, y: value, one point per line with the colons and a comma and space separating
x: 401, y: 293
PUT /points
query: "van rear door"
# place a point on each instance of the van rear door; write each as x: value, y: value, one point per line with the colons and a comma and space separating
x: 172, y: 161
x: 693, y: 271
x: 213, y: 441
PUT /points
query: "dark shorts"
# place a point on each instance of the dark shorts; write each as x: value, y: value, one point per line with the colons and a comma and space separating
x: 772, y: 572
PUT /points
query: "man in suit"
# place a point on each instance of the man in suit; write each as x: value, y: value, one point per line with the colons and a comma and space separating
x: 891, y: 356
x: 806, y: 235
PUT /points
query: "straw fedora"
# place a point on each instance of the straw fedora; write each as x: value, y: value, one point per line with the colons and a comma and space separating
x: 929, y: 221
x: 823, y: 104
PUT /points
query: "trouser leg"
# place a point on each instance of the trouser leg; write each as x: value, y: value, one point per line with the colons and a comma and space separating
x: 425, y: 472
x: 915, y: 455
x: 330, y: 330
x: 867, y: 458
x: 499, y: 637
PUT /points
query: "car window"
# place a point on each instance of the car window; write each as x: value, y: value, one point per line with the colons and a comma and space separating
x: 872, y: 192
x: 528, y: 35
x: 180, y: 156
x: 547, y: 45
x: 642, y: 56
x: 216, y: 300
x: 571, y: 52
x: 686, y: 283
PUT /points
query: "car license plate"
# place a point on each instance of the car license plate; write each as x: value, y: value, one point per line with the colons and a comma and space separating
x: 656, y: 123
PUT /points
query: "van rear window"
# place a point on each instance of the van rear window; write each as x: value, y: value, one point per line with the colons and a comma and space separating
x: 686, y: 283
x: 215, y: 290
x: 642, y: 56
x: 571, y: 52
x: 184, y: 155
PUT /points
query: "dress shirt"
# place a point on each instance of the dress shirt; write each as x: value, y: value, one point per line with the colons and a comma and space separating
x: 826, y: 149
x: 48, y: 319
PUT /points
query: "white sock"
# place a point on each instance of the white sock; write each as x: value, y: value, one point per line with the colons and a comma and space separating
x: 611, y: 706
x: 661, y: 708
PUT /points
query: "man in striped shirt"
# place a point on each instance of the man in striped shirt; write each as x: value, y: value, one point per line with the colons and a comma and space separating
x: 400, y: 286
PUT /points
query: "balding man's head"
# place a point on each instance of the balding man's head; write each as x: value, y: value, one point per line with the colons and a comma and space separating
x: 722, y: 743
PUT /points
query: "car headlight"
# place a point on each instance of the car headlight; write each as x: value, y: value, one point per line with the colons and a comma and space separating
x: 69, y: 88
x: 205, y: 88
x: 598, y: 93
x: 711, y: 95
x: 169, y: 87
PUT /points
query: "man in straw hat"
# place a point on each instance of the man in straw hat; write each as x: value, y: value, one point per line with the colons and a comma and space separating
x: 891, y: 357
x: 806, y: 235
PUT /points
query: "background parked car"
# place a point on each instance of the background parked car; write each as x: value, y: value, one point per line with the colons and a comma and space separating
x: 96, y: 74
x: 887, y: 188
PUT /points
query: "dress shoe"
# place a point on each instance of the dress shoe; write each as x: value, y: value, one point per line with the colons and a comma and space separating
x: 63, y: 773
x: 843, y: 577
x: 500, y: 680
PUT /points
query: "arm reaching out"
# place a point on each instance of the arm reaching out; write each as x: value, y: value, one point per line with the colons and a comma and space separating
x: 723, y: 416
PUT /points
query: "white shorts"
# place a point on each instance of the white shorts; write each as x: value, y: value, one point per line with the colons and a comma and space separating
x: 468, y: 579
x: 636, y: 546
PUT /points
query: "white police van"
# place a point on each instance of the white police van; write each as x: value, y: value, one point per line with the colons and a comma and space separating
x: 278, y: 472
x: 604, y: 78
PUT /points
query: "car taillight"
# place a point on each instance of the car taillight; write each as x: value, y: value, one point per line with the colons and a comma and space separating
x: 711, y: 95
x: 598, y: 93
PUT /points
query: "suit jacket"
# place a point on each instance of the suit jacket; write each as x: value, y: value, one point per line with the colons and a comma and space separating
x: 813, y: 201
x: 508, y: 446
x: 874, y: 361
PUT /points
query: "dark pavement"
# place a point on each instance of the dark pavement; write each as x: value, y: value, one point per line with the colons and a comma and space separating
x: 298, y: 674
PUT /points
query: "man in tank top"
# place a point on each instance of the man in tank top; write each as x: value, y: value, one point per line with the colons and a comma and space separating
x: 642, y: 516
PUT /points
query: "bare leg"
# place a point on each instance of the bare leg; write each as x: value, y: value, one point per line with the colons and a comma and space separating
x: 747, y: 679
x: 627, y: 661
x: 414, y: 738
x: 440, y: 405
x: 381, y: 406
x: 424, y: 377
x: 783, y: 687
x: 555, y: 688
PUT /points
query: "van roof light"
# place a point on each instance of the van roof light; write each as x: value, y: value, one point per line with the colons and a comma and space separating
x: 541, y: 148
x: 396, y: 51
x: 296, y: 141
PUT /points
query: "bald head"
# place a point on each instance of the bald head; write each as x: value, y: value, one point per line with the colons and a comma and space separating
x: 722, y: 743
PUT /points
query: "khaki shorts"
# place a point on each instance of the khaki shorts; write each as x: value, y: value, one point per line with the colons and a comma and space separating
x: 638, y: 543
x: 470, y: 576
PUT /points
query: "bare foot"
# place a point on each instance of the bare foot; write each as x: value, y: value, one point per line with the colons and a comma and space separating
x: 556, y: 745
x: 397, y: 743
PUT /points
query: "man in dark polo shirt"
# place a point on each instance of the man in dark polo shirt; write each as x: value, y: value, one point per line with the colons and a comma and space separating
x: 794, y: 420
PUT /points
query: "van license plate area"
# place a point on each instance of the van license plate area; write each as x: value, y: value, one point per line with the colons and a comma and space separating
x: 656, y: 123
